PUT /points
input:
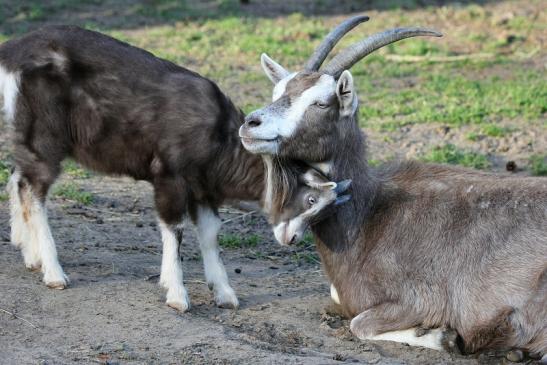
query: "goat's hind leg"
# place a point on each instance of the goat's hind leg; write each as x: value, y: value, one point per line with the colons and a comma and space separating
x: 207, y: 227
x: 19, y: 215
x: 30, y: 228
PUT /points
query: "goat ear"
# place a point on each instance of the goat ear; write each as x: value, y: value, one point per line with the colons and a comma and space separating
x: 346, y: 94
x: 315, y: 180
x: 273, y: 70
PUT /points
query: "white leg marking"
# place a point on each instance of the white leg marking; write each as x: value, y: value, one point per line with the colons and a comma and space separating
x: 18, y: 229
x: 9, y: 87
x: 334, y: 294
x: 431, y: 340
x: 171, y: 270
x: 42, y: 241
x: 208, y: 226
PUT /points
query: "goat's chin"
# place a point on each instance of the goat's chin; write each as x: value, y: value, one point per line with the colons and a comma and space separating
x: 261, y: 146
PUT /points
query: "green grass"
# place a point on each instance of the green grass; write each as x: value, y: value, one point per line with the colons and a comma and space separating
x: 4, y: 173
x: 231, y: 240
x: 71, y: 191
x: 73, y: 169
x: 538, y: 165
x: 450, y: 154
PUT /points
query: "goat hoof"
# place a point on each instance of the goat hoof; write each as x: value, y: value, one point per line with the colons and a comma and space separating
x: 56, y: 279
x: 227, y: 305
x: 59, y: 285
x: 449, y: 341
x: 34, y: 267
x: 180, y: 306
x: 515, y: 356
x: 227, y: 299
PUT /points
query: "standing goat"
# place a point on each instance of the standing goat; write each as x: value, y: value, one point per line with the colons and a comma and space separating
x: 119, y: 110
x: 417, y: 244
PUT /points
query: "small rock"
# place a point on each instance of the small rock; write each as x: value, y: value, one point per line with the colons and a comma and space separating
x: 139, y: 224
x: 515, y: 356
x: 511, y: 166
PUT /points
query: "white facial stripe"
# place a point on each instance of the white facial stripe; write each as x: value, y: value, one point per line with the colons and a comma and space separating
x: 9, y: 87
x: 279, y: 88
x: 321, y: 91
x: 276, y: 125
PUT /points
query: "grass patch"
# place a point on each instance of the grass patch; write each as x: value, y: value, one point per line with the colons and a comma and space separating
x: 538, y: 165
x: 73, y: 169
x: 231, y: 240
x: 493, y: 130
x: 71, y: 191
x: 5, y: 172
x: 450, y: 154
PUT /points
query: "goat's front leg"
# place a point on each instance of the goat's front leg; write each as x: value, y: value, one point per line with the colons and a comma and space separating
x: 207, y: 227
x: 171, y: 269
x: 390, y: 322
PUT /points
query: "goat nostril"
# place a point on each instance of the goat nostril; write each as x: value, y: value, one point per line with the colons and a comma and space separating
x: 255, y: 122
x: 293, y: 240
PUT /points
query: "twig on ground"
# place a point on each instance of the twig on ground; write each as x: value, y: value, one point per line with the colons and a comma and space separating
x: 239, y: 216
x: 16, y: 316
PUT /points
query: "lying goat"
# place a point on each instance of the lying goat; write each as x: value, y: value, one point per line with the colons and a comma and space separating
x: 119, y: 110
x: 311, y: 201
x: 417, y: 244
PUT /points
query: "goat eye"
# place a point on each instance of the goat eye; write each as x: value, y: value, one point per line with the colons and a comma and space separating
x: 321, y: 105
x: 311, y: 200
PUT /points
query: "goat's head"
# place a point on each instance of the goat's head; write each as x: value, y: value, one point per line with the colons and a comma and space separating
x: 311, y: 202
x: 301, y: 122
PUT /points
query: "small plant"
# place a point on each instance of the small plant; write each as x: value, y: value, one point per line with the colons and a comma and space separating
x: 538, y: 165
x: 73, y: 169
x: 450, y: 154
x: 493, y: 130
x: 71, y: 191
x: 4, y: 173
x: 231, y: 240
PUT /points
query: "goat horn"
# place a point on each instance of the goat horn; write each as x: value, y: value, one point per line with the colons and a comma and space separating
x: 323, y: 50
x: 352, y: 54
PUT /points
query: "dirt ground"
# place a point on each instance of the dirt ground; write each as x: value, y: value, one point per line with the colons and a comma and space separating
x: 114, y: 311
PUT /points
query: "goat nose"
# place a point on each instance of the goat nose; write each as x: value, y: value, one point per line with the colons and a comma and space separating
x: 252, y: 121
x: 293, y: 240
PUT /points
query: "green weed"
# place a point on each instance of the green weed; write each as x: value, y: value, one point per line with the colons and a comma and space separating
x: 450, y: 154
x: 231, y: 240
x: 538, y: 165
x: 71, y: 191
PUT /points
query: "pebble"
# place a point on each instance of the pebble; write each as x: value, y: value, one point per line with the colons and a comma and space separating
x: 515, y: 356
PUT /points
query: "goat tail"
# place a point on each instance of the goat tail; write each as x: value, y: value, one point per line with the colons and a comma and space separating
x: 9, y: 89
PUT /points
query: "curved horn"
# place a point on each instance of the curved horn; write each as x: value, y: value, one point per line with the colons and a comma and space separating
x: 352, y: 54
x: 322, y: 51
